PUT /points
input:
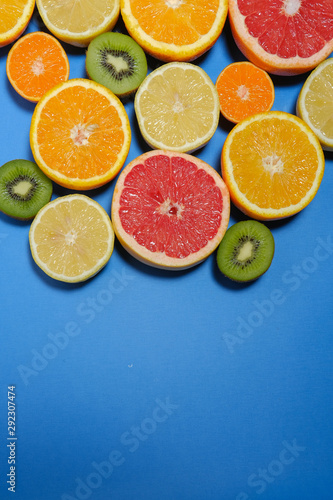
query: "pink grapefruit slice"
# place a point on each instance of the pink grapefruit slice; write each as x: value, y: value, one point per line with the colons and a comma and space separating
x: 170, y: 210
x: 283, y: 37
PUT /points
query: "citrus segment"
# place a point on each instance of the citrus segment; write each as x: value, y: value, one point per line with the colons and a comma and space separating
x: 244, y: 90
x: 283, y: 37
x: 174, y: 30
x: 273, y: 165
x: 315, y: 103
x: 14, y: 18
x: 177, y: 107
x: 71, y: 238
x: 35, y: 64
x: 80, y: 134
x: 78, y: 21
x: 170, y: 210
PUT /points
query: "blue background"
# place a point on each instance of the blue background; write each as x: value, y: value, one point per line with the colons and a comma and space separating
x: 175, y: 386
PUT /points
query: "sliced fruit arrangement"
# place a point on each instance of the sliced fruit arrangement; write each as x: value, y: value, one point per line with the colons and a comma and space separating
x: 14, y: 19
x: 246, y: 251
x: 71, y: 238
x: 170, y: 210
x: 24, y: 189
x: 116, y: 61
x: 77, y: 22
x: 273, y: 165
x: 174, y: 30
x: 177, y: 107
x: 36, y: 63
x: 283, y: 37
x: 80, y: 134
x: 315, y: 103
x: 244, y: 90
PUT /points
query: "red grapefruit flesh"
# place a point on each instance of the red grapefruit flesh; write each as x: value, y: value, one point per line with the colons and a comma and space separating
x: 170, y: 210
x: 283, y: 37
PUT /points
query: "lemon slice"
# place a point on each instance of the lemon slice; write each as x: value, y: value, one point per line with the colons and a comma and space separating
x: 177, y: 107
x: 77, y: 22
x: 315, y: 103
x: 71, y: 238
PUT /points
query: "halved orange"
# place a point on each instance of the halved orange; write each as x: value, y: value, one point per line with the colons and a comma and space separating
x: 273, y: 165
x: 14, y: 18
x: 174, y: 30
x: 36, y: 63
x: 283, y: 37
x: 244, y: 90
x: 80, y: 134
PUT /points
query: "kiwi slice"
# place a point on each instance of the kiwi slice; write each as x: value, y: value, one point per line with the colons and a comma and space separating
x: 246, y: 251
x: 117, y: 62
x: 24, y: 189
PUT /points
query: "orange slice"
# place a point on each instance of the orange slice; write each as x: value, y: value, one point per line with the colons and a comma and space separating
x: 170, y: 210
x: 283, y: 37
x: 273, y: 165
x: 71, y: 238
x: 174, y: 30
x: 80, y: 134
x: 14, y: 18
x: 244, y: 90
x: 35, y: 64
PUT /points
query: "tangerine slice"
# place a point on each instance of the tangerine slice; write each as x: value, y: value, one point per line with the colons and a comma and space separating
x: 244, y: 90
x: 14, y: 19
x: 170, y: 210
x: 35, y: 64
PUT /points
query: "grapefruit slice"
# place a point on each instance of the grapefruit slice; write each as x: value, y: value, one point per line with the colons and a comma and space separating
x: 170, y: 210
x: 283, y: 37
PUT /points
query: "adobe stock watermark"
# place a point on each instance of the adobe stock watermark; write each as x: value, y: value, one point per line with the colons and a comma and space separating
x: 129, y: 441
x: 260, y: 480
x: 86, y: 312
x: 291, y: 279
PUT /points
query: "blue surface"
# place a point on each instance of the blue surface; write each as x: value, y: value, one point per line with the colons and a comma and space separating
x: 144, y: 384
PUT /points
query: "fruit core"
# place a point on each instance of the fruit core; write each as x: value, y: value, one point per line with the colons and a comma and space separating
x: 291, y: 7
x: 243, y: 92
x: 273, y: 164
x: 245, y: 253
x: 37, y: 66
x: 22, y: 188
x: 118, y: 62
x: 173, y: 3
x: 80, y: 133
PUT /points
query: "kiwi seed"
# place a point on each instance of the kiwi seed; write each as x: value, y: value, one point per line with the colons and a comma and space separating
x: 246, y: 251
x: 24, y: 189
x: 116, y: 61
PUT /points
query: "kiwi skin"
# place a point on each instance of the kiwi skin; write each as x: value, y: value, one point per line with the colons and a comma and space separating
x: 257, y: 243
x: 132, y: 68
x: 24, y: 189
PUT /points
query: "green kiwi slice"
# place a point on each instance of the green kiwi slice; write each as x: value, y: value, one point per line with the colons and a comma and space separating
x: 116, y: 61
x: 246, y: 251
x: 24, y: 189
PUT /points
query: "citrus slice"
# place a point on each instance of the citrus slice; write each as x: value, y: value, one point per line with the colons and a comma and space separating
x: 177, y: 107
x: 170, y: 210
x: 174, y: 30
x: 77, y: 22
x: 273, y: 165
x: 283, y: 37
x: 315, y: 103
x: 80, y: 134
x: 14, y: 18
x: 71, y: 238
x: 36, y: 63
x: 244, y: 90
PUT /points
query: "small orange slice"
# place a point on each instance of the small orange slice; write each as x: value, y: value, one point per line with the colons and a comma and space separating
x: 273, y: 165
x: 174, y: 30
x: 14, y: 18
x: 35, y: 64
x: 244, y: 90
x: 80, y: 134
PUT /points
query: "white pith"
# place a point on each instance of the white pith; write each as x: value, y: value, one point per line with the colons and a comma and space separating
x: 273, y: 164
x: 291, y: 7
x: 37, y: 66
